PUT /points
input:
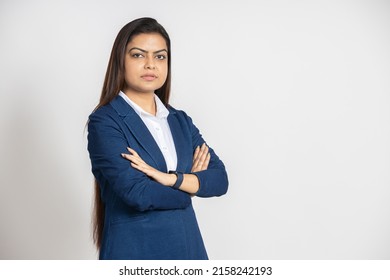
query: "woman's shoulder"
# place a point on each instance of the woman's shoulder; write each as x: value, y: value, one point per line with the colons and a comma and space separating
x: 116, y: 107
x: 105, y: 112
x: 181, y: 116
x: 178, y: 111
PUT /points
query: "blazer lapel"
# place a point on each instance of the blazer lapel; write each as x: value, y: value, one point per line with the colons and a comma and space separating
x: 139, y: 131
x: 182, y: 145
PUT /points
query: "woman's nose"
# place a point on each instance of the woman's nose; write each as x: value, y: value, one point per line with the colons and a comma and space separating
x: 150, y: 64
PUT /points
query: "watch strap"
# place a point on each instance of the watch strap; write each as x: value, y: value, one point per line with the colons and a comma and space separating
x: 179, y: 180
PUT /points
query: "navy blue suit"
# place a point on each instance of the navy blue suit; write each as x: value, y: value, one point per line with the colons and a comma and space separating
x: 144, y: 219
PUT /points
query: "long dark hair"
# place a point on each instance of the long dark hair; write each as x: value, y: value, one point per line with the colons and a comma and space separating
x: 114, y: 82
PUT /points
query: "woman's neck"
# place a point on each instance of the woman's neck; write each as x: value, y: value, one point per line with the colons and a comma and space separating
x: 144, y: 100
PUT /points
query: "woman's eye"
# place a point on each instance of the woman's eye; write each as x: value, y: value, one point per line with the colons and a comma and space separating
x: 161, y: 57
x: 137, y: 55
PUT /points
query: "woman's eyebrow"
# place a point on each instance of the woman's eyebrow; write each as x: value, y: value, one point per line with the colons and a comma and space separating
x: 135, y: 48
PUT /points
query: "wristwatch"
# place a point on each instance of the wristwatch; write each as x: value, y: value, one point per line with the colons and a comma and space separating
x: 179, y: 179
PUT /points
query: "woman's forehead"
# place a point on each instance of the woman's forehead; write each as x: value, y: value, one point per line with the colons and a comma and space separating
x: 148, y: 41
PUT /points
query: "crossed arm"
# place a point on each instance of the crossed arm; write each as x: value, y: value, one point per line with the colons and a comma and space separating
x: 190, y: 182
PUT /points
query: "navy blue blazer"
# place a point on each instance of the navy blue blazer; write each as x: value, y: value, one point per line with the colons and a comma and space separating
x: 144, y: 219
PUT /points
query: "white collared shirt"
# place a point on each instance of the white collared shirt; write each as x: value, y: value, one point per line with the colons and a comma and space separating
x: 159, y: 128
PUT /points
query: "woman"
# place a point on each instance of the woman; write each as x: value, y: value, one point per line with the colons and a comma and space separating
x: 148, y: 158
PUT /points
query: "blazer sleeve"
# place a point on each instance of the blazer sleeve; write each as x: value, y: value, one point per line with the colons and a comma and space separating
x: 214, y: 180
x: 106, y: 142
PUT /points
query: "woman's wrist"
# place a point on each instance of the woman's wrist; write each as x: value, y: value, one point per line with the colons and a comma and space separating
x: 179, y: 179
x: 189, y: 184
x: 172, y: 178
x: 163, y: 178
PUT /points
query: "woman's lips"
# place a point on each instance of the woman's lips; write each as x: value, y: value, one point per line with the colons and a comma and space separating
x: 149, y: 77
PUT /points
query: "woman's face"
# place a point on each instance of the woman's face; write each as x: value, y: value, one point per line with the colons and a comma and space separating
x: 146, y: 63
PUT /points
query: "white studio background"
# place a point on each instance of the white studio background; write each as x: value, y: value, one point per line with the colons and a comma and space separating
x: 294, y: 96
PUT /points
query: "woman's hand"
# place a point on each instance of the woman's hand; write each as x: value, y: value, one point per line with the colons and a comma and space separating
x: 201, y: 158
x: 138, y: 163
x: 190, y: 182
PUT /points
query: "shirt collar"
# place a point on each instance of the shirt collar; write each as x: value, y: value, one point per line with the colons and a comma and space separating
x: 161, y: 110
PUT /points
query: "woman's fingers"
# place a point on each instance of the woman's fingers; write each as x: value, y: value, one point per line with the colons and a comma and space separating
x: 126, y: 156
x: 201, y: 158
x: 202, y: 155
x: 133, y: 152
x: 139, y: 164
x: 206, y: 162
x: 133, y: 158
x: 196, y: 154
x: 196, y: 158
